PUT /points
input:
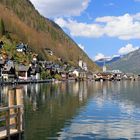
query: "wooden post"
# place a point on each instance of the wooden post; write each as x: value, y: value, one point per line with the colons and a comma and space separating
x: 11, y: 101
x: 19, y: 101
x: 8, y: 123
x: 19, y: 119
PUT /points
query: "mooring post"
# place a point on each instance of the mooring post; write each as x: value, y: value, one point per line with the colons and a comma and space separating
x: 19, y: 101
x: 11, y: 98
x: 8, y: 123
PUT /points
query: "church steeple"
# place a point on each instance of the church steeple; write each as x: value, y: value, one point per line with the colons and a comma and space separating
x: 104, y: 66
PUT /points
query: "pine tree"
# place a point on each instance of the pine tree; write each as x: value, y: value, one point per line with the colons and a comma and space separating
x: 2, y: 28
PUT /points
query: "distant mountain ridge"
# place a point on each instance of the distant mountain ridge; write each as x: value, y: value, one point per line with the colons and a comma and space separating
x: 25, y: 24
x: 129, y: 63
x: 107, y: 61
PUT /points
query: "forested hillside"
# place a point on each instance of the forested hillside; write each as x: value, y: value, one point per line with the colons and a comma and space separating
x: 24, y: 24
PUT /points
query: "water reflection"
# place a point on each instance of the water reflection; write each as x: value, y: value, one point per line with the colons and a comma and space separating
x: 80, y: 110
x: 50, y: 107
x: 112, y: 114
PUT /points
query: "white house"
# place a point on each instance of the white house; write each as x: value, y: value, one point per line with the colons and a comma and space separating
x: 79, y: 73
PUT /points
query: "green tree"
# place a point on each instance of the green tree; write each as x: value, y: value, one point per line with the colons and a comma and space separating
x: 58, y: 77
x: 2, y: 27
x: 43, y: 75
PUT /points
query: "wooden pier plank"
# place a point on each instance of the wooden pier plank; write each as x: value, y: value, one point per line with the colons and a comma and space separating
x: 3, y: 134
x: 10, y: 129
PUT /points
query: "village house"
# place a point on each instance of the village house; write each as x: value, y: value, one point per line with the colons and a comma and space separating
x: 8, y: 73
x: 80, y: 74
x: 103, y: 76
x: 70, y: 74
x: 49, y: 51
x: 117, y: 74
x: 21, y: 48
x: 35, y: 72
x: 97, y: 76
x: 23, y: 72
x: 128, y: 76
x: 47, y: 65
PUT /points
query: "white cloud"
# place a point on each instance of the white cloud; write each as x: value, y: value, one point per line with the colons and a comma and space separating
x: 127, y: 49
x: 81, y: 46
x: 57, y: 8
x: 80, y: 29
x: 122, y: 51
x: 99, y: 56
x: 124, y: 27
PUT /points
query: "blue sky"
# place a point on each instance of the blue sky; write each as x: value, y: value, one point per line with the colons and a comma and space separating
x: 102, y: 28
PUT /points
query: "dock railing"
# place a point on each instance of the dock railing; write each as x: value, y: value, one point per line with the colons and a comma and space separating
x: 11, y: 121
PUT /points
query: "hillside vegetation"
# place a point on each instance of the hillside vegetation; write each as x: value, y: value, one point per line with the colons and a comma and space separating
x: 24, y: 24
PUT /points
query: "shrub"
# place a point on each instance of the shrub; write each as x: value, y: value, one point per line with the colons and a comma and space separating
x: 43, y: 75
x: 58, y: 77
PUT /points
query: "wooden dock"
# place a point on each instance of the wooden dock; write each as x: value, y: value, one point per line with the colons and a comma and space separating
x: 11, y: 121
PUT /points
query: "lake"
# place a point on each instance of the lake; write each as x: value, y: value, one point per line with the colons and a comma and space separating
x: 80, y: 110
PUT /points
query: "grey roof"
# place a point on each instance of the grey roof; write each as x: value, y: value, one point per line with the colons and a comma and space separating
x: 48, y: 49
x: 21, y: 46
x: 22, y: 68
x: 7, y: 68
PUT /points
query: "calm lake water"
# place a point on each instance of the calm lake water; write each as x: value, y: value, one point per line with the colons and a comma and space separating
x: 80, y: 111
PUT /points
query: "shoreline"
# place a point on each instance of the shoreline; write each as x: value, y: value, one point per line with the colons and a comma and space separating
x: 25, y: 82
x: 5, y: 83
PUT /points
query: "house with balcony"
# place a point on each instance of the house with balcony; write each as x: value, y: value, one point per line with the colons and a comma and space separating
x: 8, y: 73
x: 23, y: 72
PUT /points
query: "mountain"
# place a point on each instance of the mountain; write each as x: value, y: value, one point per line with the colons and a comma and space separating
x: 23, y: 23
x: 129, y: 63
x: 101, y: 62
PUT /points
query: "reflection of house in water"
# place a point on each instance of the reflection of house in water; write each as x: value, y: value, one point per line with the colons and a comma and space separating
x: 104, y: 88
x: 82, y: 91
x: 32, y: 94
x: 76, y: 88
